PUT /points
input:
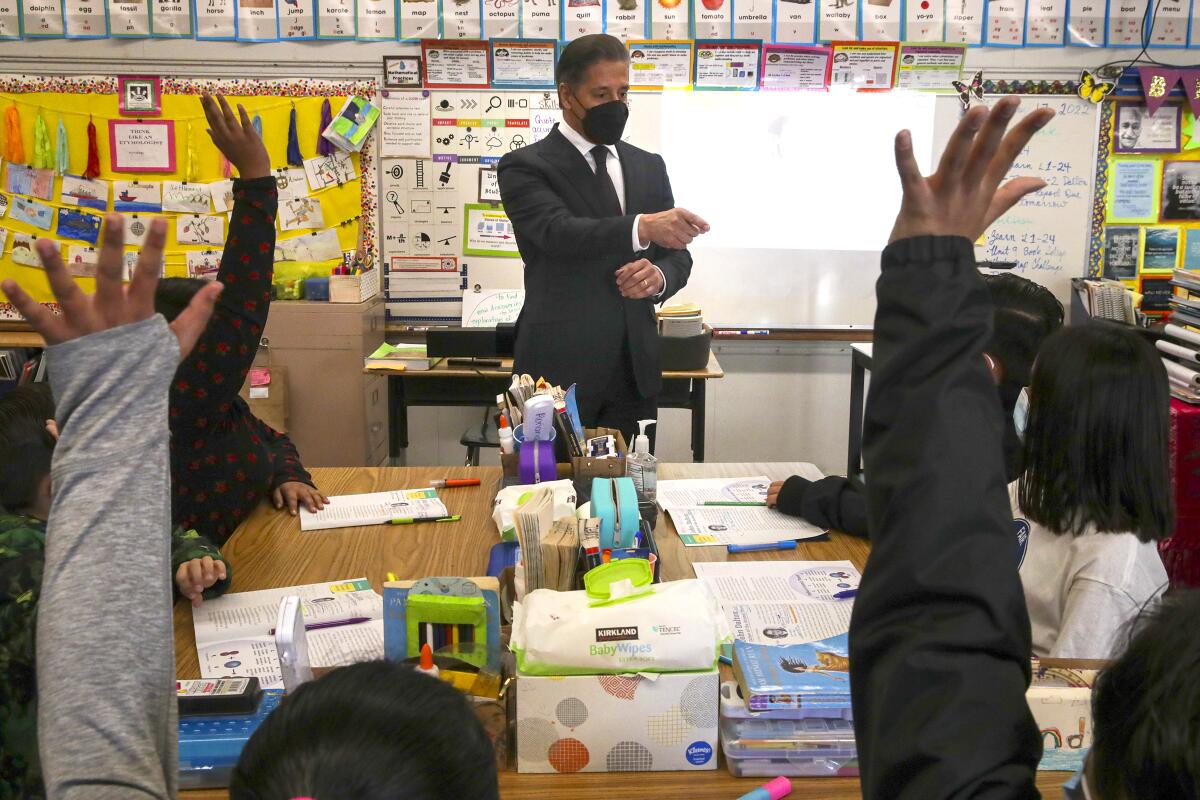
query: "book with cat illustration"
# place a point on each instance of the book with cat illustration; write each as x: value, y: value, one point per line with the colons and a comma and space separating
x: 812, y: 675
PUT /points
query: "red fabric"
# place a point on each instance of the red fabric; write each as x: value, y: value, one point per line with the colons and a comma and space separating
x: 1181, y: 552
x: 93, y: 157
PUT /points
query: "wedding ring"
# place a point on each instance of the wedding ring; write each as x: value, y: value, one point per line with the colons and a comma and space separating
x: 644, y: 282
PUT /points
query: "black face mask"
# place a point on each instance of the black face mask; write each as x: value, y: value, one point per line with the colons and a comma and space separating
x: 605, y: 123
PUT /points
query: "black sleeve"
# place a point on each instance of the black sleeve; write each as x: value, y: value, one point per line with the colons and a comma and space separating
x: 939, y: 638
x: 676, y: 265
x: 830, y: 502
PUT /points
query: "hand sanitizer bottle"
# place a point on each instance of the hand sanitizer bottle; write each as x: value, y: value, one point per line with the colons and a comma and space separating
x: 641, y: 466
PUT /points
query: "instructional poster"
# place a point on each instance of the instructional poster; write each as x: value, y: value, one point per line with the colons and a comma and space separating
x: 838, y: 20
x: 1193, y: 35
x: 752, y: 19
x: 659, y: 65
x: 404, y: 125
x: 787, y: 67
x: 456, y: 65
x: 881, y: 20
x: 129, y: 18
x: 929, y: 66
x: 86, y: 19
x: 669, y: 19
x: 42, y: 18
x: 1125, y: 22
x: 418, y: 19
x: 539, y: 19
x: 171, y: 19
x: 580, y: 18
x: 626, y: 19
x: 337, y: 19
x: 523, y: 63
x: 1170, y: 24
x: 297, y: 20
x: 377, y: 20
x: 924, y: 21
x: 1086, y: 22
x: 1005, y: 23
x: 714, y: 19
x: 863, y: 66
x: 795, y: 22
x: 257, y: 21
x: 216, y: 20
x: 488, y: 232
x: 10, y: 19
x: 727, y: 64
x: 1047, y: 23
x: 964, y: 22
x: 461, y: 19
x: 501, y: 18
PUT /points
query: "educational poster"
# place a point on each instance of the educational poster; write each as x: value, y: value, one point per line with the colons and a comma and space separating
x: 377, y: 20
x: 1121, y: 248
x: 964, y: 22
x: 297, y: 19
x: 924, y: 20
x: 404, y: 125
x: 1133, y: 191
x: 42, y: 19
x: 1125, y: 22
x: 657, y: 65
x: 791, y: 68
x: 461, y: 19
x: 881, y: 20
x: 1170, y: 24
x: 626, y: 19
x: 837, y: 20
x: 727, y: 64
x: 523, y: 63
x: 753, y: 19
x: 713, y: 19
x: 795, y: 22
x: 1086, y: 22
x: 929, y: 66
x: 1193, y: 34
x: 129, y: 18
x: 669, y: 19
x: 86, y: 19
x: 257, y: 21
x: 418, y: 19
x: 1180, y: 191
x: 539, y: 18
x: 863, y: 66
x: 336, y: 19
x: 488, y: 232
x: 501, y: 18
x: 10, y: 19
x: 1191, y: 249
x: 580, y: 18
x: 171, y: 19
x: 1005, y: 23
x: 1160, y: 249
x: 216, y: 20
x: 1046, y: 23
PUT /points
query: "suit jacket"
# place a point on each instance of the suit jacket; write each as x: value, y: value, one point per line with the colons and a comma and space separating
x: 575, y: 323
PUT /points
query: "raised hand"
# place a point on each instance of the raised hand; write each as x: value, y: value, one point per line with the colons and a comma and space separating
x: 674, y: 229
x: 235, y: 137
x: 964, y: 196
x: 113, y: 304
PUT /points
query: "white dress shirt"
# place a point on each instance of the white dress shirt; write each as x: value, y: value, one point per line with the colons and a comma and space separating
x: 617, y: 176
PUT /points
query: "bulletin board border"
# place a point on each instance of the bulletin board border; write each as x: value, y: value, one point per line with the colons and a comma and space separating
x: 1095, y: 263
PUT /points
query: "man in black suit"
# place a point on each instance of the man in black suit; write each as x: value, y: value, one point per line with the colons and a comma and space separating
x: 602, y: 242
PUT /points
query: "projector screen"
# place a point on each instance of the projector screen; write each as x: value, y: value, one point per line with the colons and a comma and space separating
x: 791, y: 170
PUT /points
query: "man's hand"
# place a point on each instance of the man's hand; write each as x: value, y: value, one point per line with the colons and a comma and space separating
x: 964, y: 196
x: 113, y: 304
x: 235, y: 137
x: 293, y: 494
x: 194, y: 576
x: 639, y: 279
x: 673, y: 229
x: 773, y: 494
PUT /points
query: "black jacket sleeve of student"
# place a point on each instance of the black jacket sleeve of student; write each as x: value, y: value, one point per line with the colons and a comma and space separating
x: 831, y: 502
x: 939, y: 638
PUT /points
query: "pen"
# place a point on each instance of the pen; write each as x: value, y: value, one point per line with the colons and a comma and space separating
x: 751, y: 548
x: 734, y: 503
x: 333, y: 623
x: 846, y: 595
x: 415, y: 520
x: 454, y: 483
x: 744, y: 332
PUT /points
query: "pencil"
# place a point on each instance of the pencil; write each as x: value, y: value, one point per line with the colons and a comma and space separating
x: 733, y: 503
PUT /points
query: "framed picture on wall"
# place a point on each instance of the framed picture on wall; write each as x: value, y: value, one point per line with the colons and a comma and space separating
x: 1180, y: 191
x: 1139, y: 132
x: 402, y: 72
x: 139, y: 96
x: 1121, y: 246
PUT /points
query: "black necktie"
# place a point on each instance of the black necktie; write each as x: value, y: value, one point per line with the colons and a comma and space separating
x: 608, y: 193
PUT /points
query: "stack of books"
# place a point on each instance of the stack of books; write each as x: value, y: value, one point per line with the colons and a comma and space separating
x: 1180, y: 351
x: 680, y: 321
x: 401, y: 358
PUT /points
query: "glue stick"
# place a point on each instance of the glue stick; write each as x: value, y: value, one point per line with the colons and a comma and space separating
x: 771, y: 790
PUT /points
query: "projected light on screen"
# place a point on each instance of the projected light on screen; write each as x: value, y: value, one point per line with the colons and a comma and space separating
x: 792, y: 171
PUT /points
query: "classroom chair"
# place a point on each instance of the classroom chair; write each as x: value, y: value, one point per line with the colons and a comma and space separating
x: 479, y: 436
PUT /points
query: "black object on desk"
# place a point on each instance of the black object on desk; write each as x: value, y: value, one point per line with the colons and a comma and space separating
x: 471, y: 342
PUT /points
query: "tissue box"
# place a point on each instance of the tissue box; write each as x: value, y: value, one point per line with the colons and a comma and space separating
x: 617, y: 723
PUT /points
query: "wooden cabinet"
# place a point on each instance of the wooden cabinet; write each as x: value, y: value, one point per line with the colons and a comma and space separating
x: 337, y: 414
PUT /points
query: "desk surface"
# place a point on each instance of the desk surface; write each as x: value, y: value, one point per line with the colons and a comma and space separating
x: 443, y: 370
x: 269, y: 551
x: 17, y: 337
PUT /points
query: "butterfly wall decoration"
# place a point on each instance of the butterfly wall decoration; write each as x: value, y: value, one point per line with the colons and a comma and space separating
x: 967, y: 92
x: 1092, y: 89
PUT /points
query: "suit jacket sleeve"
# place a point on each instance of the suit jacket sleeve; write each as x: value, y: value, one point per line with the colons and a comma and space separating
x: 544, y: 220
x: 676, y: 265
x: 939, y: 637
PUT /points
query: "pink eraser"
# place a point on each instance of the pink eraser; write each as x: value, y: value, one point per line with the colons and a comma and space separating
x: 778, y: 787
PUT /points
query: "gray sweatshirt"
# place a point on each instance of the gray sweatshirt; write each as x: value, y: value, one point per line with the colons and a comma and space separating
x: 107, y: 723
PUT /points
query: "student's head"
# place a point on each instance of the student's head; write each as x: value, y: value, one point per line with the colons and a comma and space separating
x: 1025, y: 314
x: 593, y: 73
x: 172, y: 295
x: 1096, y: 443
x: 1146, y: 711
x: 26, y: 448
x: 372, y: 731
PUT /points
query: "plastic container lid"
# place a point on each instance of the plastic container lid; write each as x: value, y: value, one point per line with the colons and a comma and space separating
x: 618, y: 580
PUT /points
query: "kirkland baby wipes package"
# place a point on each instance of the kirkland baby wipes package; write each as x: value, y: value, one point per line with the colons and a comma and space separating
x: 675, y: 628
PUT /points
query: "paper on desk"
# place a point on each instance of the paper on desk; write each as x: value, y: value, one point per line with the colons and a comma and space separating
x: 701, y: 526
x: 782, y: 602
x: 375, y: 508
x: 233, y: 636
x: 698, y: 491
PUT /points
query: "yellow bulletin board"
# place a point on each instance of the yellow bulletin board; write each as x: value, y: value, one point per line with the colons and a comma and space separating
x: 349, y: 208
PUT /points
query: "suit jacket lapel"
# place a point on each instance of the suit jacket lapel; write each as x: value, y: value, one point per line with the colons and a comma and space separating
x: 635, y: 180
x: 563, y: 155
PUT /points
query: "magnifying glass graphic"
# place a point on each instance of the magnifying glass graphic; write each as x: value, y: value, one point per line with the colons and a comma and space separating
x: 494, y: 102
x: 394, y: 199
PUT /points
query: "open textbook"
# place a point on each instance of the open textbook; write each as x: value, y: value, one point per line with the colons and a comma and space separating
x: 374, y: 508
x: 234, y: 633
x: 700, y: 525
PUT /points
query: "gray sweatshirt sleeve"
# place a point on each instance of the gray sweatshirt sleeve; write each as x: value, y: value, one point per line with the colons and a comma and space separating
x: 107, y: 723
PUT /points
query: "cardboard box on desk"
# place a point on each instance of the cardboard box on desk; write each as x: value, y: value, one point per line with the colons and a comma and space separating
x: 617, y: 723
x: 354, y: 288
x: 586, y: 468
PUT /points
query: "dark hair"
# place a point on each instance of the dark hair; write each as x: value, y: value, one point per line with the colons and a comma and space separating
x: 1096, y: 443
x: 26, y: 447
x: 577, y: 57
x: 173, y: 295
x: 1146, y: 710
x: 1025, y: 314
x: 372, y: 731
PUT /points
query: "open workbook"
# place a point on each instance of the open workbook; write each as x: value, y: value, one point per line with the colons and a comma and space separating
x: 234, y: 633
x: 725, y: 511
x: 374, y: 508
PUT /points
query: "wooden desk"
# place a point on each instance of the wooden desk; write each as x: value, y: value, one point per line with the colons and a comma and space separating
x: 269, y: 551
x: 445, y: 385
x: 20, y: 337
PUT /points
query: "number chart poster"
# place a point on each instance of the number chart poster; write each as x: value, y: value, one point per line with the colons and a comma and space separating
x: 348, y: 208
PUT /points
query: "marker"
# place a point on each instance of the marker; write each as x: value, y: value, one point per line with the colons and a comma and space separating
x: 771, y: 790
x: 846, y: 595
x: 751, y: 548
x: 333, y: 623
x: 392, y: 577
x: 734, y: 503
x: 454, y: 483
x: 743, y: 332
x: 415, y: 520
x: 426, y: 664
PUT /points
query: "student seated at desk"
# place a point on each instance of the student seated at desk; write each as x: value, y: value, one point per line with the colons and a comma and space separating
x: 1025, y: 314
x: 1095, y: 496
x: 107, y: 723
x: 939, y: 637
